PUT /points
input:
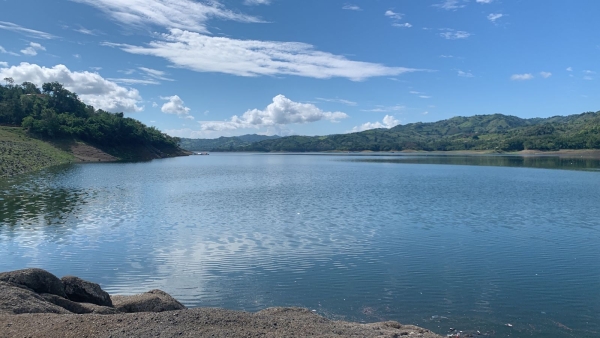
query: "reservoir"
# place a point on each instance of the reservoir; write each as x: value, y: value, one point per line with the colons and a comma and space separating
x: 508, y: 246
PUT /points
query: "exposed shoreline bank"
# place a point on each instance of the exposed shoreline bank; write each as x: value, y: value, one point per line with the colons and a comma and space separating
x: 35, y: 303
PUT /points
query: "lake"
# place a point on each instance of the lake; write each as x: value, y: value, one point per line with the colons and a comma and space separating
x: 473, y: 243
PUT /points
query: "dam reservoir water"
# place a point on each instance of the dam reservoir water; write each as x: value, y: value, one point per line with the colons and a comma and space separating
x: 473, y: 243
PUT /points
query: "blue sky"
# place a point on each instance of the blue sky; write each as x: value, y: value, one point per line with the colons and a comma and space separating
x: 205, y: 69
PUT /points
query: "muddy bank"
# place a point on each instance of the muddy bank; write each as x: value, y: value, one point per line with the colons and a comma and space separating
x: 35, y: 303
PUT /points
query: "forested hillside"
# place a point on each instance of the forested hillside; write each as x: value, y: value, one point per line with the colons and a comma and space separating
x: 54, y: 113
x: 481, y: 132
x: 222, y: 142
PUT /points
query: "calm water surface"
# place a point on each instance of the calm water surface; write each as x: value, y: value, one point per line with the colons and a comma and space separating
x: 364, y: 238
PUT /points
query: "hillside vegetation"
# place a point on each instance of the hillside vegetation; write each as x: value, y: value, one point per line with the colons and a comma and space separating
x: 229, y: 143
x: 481, y: 132
x: 55, y: 114
x: 20, y: 153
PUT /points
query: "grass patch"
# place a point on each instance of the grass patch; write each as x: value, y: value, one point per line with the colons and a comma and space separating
x: 20, y: 153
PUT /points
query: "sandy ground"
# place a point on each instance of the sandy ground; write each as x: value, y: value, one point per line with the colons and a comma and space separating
x: 87, y: 153
x: 200, y: 322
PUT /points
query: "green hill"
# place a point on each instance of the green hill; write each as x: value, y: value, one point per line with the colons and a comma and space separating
x: 53, y: 113
x: 481, y: 132
x: 222, y: 142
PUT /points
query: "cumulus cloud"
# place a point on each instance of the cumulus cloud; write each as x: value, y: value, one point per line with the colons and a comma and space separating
x: 92, y: 88
x: 388, y: 122
x: 25, y: 31
x: 205, y: 53
x: 450, y: 5
x: 494, y: 16
x: 281, y: 112
x: 464, y: 74
x: 451, y: 34
x: 183, y: 14
x: 32, y: 49
x: 352, y: 7
x: 176, y: 106
x: 3, y: 64
x: 545, y: 75
x: 521, y: 77
x: 569, y: 69
x: 393, y: 15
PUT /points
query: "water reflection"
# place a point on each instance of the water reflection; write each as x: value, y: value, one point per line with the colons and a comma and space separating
x: 440, y: 246
x: 544, y: 162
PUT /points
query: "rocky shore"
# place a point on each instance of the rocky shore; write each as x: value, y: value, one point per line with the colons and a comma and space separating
x: 35, y: 303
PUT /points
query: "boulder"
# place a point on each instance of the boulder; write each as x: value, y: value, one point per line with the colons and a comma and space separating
x: 151, y: 301
x: 79, y: 290
x: 14, y: 299
x: 78, y: 308
x: 38, y: 280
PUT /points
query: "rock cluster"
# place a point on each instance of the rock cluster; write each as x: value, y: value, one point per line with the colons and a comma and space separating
x: 39, y: 291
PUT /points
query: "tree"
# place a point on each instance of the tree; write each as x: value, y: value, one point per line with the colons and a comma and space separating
x: 9, y: 81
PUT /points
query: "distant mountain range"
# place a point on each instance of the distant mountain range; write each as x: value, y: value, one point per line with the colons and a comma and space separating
x: 224, y: 143
x: 481, y: 132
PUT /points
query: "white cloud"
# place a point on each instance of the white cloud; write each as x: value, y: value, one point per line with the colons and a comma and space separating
x: 352, y: 7
x: 3, y: 64
x: 494, y: 16
x: 4, y: 51
x: 176, y: 106
x: 403, y: 25
x: 569, y: 69
x: 92, y: 88
x: 450, y: 5
x: 415, y: 92
x: 346, y: 102
x: 154, y: 104
x: 257, y: 2
x: 183, y: 14
x: 393, y: 15
x: 545, y: 75
x: 384, y: 109
x: 446, y: 56
x: 588, y: 78
x: 32, y: 49
x: 85, y: 31
x: 589, y: 72
x: 134, y: 81
x: 521, y: 77
x: 484, y: 1
x: 425, y: 96
x: 153, y: 73
x: 204, y: 53
x: 388, y: 122
x: 451, y: 34
x: 464, y: 74
x: 25, y: 31
x: 281, y: 112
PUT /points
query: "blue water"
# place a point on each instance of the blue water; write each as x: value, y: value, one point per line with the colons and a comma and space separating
x: 438, y: 242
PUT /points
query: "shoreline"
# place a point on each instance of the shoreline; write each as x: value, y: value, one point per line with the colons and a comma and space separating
x: 35, y: 303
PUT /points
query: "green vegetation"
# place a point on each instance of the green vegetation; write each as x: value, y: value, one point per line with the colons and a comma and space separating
x: 20, y: 153
x: 53, y: 113
x: 481, y: 132
x: 229, y: 143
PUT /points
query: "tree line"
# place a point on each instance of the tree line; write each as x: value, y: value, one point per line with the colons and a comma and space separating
x: 480, y: 132
x: 53, y: 112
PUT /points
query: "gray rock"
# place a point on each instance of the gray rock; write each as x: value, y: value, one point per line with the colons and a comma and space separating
x: 15, y: 299
x: 151, y: 301
x: 79, y: 290
x: 38, y: 280
x: 78, y: 308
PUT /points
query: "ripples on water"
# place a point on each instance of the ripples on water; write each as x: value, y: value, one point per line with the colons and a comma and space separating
x: 473, y: 247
